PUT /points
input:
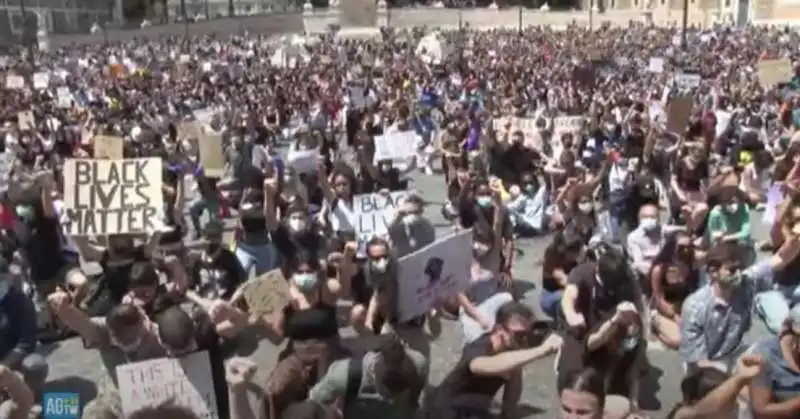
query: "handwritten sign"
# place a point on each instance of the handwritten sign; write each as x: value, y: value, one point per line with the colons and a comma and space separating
x: 436, y: 272
x: 41, y: 81
x: 772, y: 72
x: 112, y: 196
x: 687, y: 81
x: 267, y: 293
x: 107, y: 147
x: 182, y: 381
x: 396, y: 146
x: 26, y: 120
x: 568, y: 124
x: 678, y: 111
x: 656, y: 65
x: 374, y: 212
x: 211, y: 157
x: 14, y: 81
x: 63, y: 97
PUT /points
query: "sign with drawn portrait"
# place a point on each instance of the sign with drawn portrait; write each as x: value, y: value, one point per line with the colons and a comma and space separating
x: 438, y: 271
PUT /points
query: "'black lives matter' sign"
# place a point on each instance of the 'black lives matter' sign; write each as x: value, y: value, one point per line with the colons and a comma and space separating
x: 112, y: 196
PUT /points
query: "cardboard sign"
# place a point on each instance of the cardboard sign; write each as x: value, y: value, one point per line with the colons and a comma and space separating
x: 25, y: 120
x: 397, y: 146
x: 211, y: 155
x: 687, y: 81
x: 772, y: 72
x: 438, y: 271
x: 182, y: 381
x: 374, y: 212
x: 105, y: 197
x: 302, y: 161
x: 267, y: 293
x: 190, y: 130
x: 107, y: 147
x: 678, y: 111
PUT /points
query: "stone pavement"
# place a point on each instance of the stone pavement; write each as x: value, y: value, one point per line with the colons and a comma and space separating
x: 73, y: 368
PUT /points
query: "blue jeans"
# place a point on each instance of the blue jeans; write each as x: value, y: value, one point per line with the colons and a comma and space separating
x: 550, y: 302
x: 263, y: 257
x: 773, y: 306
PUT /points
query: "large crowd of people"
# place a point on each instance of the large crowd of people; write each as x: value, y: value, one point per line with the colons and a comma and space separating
x: 644, y: 162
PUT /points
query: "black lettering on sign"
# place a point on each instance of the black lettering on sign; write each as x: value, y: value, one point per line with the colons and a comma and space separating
x: 111, y: 196
x: 367, y: 204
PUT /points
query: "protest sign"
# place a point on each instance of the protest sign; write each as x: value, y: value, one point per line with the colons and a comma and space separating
x: 302, y: 161
x: 107, y: 147
x: 687, y: 81
x: 64, y: 97
x: 41, y: 81
x: 774, y: 199
x: 266, y: 293
x: 656, y: 65
x: 678, y: 111
x: 26, y: 120
x: 432, y: 48
x: 185, y: 382
x: 14, y: 81
x: 568, y: 124
x: 374, y: 212
x: 772, y: 72
x: 211, y: 157
x: 121, y: 196
x: 396, y: 146
x: 6, y: 163
x: 438, y: 271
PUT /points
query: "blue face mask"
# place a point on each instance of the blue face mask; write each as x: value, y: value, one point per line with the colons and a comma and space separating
x: 484, y: 201
x: 306, y: 282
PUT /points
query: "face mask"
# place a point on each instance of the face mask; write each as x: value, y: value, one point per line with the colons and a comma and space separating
x: 297, y: 224
x: 732, y: 207
x: 480, y: 249
x: 630, y: 343
x: 379, y: 265
x: 585, y: 207
x: 305, y: 281
x: 411, y: 219
x: 130, y: 347
x: 648, y: 224
x: 530, y: 189
x: 484, y: 201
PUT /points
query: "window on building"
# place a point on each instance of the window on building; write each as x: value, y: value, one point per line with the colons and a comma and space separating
x: 60, y: 22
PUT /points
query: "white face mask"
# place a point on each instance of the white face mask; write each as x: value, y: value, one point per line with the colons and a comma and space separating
x: 648, y: 224
x: 297, y: 224
x: 306, y: 282
x: 733, y: 207
x: 630, y: 343
x: 380, y: 265
x: 585, y: 207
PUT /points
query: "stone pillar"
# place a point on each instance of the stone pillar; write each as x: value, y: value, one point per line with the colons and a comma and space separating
x: 382, y: 14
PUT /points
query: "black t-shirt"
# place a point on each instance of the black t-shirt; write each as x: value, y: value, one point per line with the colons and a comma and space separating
x: 216, y: 277
x: 289, y: 244
x: 559, y: 254
x: 595, y: 298
x: 462, y: 383
x: 470, y: 214
x: 43, y: 247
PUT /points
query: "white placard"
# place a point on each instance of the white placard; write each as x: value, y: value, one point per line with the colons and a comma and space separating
x: 656, y: 65
x: 106, y: 196
x: 438, y: 271
x: 723, y: 121
x: 397, y: 146
x: 63, y: 97
x: 302, y: 161
x: 686, y: 81
x: 41, y: 81
x: 572, y: 124
x: 182, y: 381
x: 374, y: 212
x: 6, y: 162
x: 14, y: 81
